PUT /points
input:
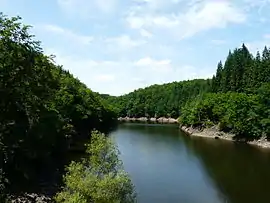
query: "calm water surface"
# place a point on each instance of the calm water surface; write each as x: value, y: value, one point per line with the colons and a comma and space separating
x: 167, y: 166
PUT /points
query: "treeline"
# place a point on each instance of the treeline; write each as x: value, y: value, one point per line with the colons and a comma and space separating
x: 240, y: 101
x: 237, y: 98
x: 242, y: 72
x: 44, y: 110
x: 158, y: 100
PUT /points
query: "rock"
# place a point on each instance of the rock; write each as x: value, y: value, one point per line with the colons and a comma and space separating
x: 145, y: 119
x: 31, y: 198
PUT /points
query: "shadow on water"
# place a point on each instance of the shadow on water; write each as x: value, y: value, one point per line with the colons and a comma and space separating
x: 239, y: 171
x: 45, y: 176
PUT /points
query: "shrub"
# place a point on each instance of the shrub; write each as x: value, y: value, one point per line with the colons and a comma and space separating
x: 100, y: 178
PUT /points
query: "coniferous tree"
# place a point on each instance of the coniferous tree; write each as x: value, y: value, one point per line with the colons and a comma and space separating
x: 214, y: 85
x: 265, y: 65
x: 244, y: 69
x: 219, y: 76
x: 227, y: 73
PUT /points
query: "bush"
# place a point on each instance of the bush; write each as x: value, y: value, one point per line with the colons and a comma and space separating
x: 237, y: 112
x: 98, y: 178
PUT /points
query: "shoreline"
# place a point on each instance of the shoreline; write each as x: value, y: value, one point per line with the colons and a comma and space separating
x: 151, y: 120
x: 214, y: 133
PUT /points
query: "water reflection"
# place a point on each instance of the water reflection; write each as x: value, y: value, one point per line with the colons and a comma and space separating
x: 240, y: 172
x: 168, y: 166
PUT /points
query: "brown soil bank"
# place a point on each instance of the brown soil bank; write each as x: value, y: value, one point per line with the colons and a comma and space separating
x: 215, y: 133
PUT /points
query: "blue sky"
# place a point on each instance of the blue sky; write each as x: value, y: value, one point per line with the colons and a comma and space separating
x: 116, y: 46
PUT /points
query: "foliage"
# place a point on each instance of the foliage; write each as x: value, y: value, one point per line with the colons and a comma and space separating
x: 242, y: 72
x: 240, y: 102
x: 158, y: 100
x: 43, y: 108
x: 98, y: 178
x: 237, y: 112
x: 236, y: 99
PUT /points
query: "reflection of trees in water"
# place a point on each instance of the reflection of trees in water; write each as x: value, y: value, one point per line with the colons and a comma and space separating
x: 241, y: 172
x: 45, y: 176
x: 162, y: 133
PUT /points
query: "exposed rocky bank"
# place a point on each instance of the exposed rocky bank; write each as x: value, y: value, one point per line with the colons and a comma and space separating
x: 145, y: 119
x: 215, y: 133
x: 31, y: 198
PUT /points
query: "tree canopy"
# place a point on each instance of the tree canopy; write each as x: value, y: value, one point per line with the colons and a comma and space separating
x: 43, y: 109
x: 240, y: 98
x: 236, y: 98
x: 99, y: 177
x: 158, y: 100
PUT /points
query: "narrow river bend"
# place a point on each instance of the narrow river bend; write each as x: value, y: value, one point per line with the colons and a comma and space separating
x: 167, y: 166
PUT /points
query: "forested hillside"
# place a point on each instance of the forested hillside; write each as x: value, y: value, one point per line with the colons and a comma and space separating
x: 237, y: 98
x: 43, y: 109
x: 240, y: 101
x: 158, y: 100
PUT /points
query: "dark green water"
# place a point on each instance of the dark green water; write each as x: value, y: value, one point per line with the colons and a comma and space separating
x: 166, y: 166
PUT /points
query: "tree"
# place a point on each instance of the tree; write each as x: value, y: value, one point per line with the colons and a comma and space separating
x: 227, y: 73
x: 218, y: 77
x: 43, y: 109
x: 99, y: 178
x: 265, y: 65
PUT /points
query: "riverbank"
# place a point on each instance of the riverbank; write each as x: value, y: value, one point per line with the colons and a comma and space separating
x: 145, y: 119
x: 30, y: 198
x: 215, y: 133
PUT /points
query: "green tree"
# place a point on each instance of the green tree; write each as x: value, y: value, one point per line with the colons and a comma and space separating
x: 227, y: 73
x: 99, y: 178
x: 44, y: 110
x: 217, y: 78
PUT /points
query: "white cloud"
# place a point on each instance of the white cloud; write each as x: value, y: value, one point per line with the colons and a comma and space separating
x: 104, y: 78
x: 163, y: 66
x: 260, y: 4
x: 156, y: 4
x: 158, y: 66
x: 259, y: 45
x: 68, y: 34
x: 106, y: 6
x: 124, y: 41
x: 120, y: 77
x: 149, y: 61
x: 266, y: 36
x: 136, y: 43
x: 145, y: 33
x: 199, y: 16
x: 86, y: 8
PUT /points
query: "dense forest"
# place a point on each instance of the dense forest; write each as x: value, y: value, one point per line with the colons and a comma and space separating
x: 240, y: 98
x: 44, y: 110
x: 237, y: 98
x: 158, y: 100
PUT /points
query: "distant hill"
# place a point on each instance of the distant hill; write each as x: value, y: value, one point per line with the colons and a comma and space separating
x: 158, y: 100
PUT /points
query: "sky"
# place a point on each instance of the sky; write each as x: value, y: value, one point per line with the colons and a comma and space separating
x: 117, y: 46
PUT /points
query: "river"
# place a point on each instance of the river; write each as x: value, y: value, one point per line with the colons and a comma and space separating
x: 166, y: 166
